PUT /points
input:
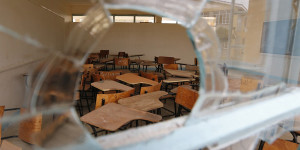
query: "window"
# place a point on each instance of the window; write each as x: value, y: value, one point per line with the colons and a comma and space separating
x: 122, y: 18
x: 168, y: 20
x: 127, y: 19
x: 144, y: 19
x: 78, y: 18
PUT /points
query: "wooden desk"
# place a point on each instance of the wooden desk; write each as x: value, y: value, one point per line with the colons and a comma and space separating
x: 145, y: 102
x: 99, y: 66
x: 180, y: 73
x: 112, y: 116
x: 137, y: 55
x: 105, y: 60
x: 134, y: 79
x: 109, y: 85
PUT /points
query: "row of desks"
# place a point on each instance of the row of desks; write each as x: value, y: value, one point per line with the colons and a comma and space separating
x: 112, y: 116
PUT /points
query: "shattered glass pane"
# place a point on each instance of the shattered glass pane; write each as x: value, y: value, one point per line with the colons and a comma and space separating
x: 247, y: 56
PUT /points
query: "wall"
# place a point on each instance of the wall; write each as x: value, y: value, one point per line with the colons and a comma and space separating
x: 149, y: 39
x: 17, y: 57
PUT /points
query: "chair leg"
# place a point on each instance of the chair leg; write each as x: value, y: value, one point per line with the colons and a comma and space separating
x: 94, y: 130
x: 80, y: 107
x: 294, y: 136
x: 261, y: 145
x: 136, y: 123
x: 175, y: 111
x: 159, y: 111
x: 88, y: 105
x: 179, y: 111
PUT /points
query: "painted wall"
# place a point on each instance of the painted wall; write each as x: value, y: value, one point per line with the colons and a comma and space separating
x: 149, y: 39
x: 17, y: 57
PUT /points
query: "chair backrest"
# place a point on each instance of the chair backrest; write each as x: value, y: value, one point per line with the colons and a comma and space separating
x: 186, y: 97
x: 249, y: 84
x: 196, y: 62
x: 156, y: 59
x: 121, y: 61
x: 280, y: 144
x: 150, y: 76
x: 103, y: 99
x: 121, y: 54
x: 97, y: 77
x: 150, y: 89
x: 88, y: 67
x: 171, y: 66
x: 83, y: 81
x: 30, y: 127
x: 165, y: 60
x: 104, y: 53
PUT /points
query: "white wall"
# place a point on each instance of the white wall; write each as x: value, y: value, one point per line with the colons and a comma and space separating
x: 18, y: 57
x: 149, y: 39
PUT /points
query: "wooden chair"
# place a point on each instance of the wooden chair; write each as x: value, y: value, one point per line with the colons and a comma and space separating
x: 122, y: 55
x: 123, y: 62
x: 150, y: 76
x: 88, y: 67
x: 150, y: 89
x: 29, y: 127
x: 279, y: 144
x: 195, y: 61
x: 186, y: 98
x: 161, y: 60
x: 103, y: 99
x: 103, y: 54
x: 171, y: 66
x: 84, y: 89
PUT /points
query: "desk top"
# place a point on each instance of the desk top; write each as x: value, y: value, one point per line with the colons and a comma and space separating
x: 137, y: 55
x: 105, y: 60
x: 176, y: 80
x: 108, y: 85
x: 135, y: 79
x: 144, y: 102
x: 112, y: 116
x: 180, y: 73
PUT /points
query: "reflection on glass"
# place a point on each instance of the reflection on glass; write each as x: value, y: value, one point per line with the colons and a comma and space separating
x: 144, y: 19
x: 127, y: 19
